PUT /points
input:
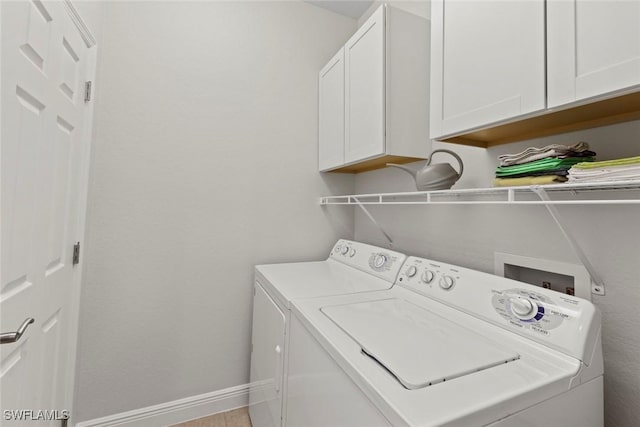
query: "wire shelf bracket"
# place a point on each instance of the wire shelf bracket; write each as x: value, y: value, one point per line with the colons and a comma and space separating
x: 597, y: 284
x: 368, y: 214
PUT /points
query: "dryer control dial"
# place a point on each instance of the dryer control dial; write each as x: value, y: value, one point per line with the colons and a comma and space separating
x: 428, y: 276
x: 411, y: 271
x: 447, y: 282
x: 379, y: 260
x: 523, y: 308
x: 345, y: 249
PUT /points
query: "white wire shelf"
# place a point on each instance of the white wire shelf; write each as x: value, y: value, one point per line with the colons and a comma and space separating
x: 607, y: 193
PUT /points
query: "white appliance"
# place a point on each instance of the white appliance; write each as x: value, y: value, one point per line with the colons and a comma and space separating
x: 446, y: 346
x: 352, y: 267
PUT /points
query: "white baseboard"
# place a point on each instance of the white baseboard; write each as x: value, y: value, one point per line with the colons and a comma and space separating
x: 166, y: 414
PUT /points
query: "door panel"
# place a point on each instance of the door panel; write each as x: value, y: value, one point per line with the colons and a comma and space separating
x: 267, y: 361
x: 365, y: 90
x: 44, y: 66
x: 331, y: 113
x: 488, y: 63
x: 593, y: 48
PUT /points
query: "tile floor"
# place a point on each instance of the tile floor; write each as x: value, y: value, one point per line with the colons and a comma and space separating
x: 236, y: 418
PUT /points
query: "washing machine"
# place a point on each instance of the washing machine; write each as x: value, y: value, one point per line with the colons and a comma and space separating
x: 445, y: 346
x: 351, y: 268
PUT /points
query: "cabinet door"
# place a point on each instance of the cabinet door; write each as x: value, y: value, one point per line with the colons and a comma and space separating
x: 488, y: 62
x: 331, y: 113
x: 267, y: 361
x: 593, y: 48
x: 364, y: 86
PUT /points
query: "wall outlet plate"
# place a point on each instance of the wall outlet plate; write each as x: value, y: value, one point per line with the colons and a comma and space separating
x: 513, y: 266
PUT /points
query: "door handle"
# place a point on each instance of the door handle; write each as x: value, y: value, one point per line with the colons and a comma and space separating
x: 11, y: 337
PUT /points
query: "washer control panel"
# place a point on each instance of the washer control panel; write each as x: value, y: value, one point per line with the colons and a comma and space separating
x: 566, y: 323
x: 383, y: 263
x: 430, y: 274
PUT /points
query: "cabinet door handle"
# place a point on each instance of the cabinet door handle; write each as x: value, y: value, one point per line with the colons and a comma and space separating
x: 11, y: 337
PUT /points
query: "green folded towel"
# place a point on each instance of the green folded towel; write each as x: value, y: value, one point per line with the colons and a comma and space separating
x: 541, y: 165
x: 609, y: 163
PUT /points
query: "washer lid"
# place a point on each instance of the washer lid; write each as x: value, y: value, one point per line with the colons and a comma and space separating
x: 418, y: 347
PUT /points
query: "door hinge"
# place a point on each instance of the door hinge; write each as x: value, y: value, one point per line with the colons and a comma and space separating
x: 87, y: 91
x: 76, y: 254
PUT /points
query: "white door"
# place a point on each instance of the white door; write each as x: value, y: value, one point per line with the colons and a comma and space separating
x: 267, y: 361
x: 593, y: 48
x: 365, y: 90
x: 44, y: 150
x: 331, y: 113
x: 488, y: 62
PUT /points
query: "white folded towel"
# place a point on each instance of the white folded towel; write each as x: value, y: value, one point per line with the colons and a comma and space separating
x: 610, y: 173
x: 534, y: 153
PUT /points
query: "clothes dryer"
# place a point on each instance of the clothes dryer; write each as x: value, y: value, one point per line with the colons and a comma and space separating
x: 351, y: 267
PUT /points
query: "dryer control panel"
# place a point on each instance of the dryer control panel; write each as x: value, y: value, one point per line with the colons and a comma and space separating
x: 566, y: 323
x: 380, y: 262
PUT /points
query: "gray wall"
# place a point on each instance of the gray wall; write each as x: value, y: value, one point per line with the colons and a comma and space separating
x: 469, y: 235
x: 204, y: 164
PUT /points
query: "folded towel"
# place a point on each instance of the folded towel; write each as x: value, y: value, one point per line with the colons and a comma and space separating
x: 540, y: 165
x: 559, y: 171
x: 609, y: 163
x: 612, y: 173
x: 534, y: 153
x: 605, y: 178
x: 530, y: 180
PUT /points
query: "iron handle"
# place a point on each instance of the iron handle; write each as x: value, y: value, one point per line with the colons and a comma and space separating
x: 11, y: 337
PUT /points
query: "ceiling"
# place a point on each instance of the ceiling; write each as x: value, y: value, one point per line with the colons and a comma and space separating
x: 351, y: 8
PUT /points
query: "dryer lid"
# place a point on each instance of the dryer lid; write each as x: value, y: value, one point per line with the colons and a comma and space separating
x: 418, y: 347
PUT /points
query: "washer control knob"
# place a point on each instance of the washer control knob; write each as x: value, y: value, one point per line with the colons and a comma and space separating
x: 411, y: 271
x: 352, y: 253
x: 523, y: 308
x: 428, y: 276
x: 345, y: 249
x: 447, y: 282
x: 379, y: 260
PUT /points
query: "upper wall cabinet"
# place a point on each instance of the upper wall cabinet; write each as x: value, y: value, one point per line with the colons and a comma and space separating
x: 593, y: 48
x: 373, y: 95
x: 487, y: 62
x: 508, y: 71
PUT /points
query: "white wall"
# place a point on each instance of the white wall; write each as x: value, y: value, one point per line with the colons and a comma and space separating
x: 204, y: 164
x: 417, y: 7
x: 469, y: 236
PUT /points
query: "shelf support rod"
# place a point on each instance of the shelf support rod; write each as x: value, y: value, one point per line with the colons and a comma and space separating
x: 368, y: 214
x: 597, y: 284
